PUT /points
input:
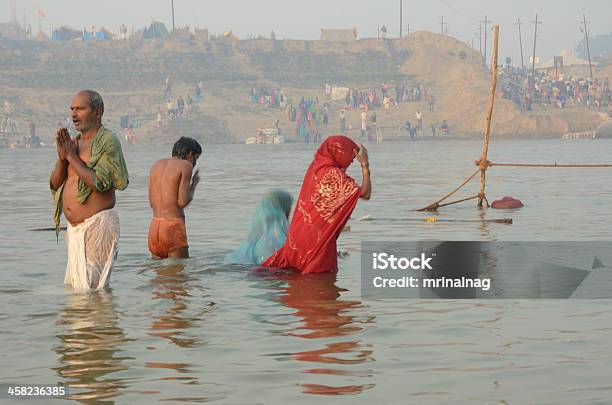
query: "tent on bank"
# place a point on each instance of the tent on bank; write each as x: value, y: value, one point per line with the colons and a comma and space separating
x: 104, y: 35
x: 99, y: 35
x: 42, y: 37
x: 66, y: 34
x: 156, y: 30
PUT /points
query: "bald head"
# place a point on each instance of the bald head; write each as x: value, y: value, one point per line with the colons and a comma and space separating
x: 86, y: 111
x: 95, y: 100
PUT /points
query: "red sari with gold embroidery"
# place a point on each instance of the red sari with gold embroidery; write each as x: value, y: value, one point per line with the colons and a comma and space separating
x: 325, y: 204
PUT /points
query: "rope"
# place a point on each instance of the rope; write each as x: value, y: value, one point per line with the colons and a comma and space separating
x: 508, y: 221
x: 547, y: 165
x: 434, y: 206
x: 483, y: 164
x: 458, y: 201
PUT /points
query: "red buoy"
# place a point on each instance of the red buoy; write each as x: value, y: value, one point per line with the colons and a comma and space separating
x: 507, y: 203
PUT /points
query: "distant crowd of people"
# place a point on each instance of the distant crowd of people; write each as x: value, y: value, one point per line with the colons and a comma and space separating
x: 542, y: 91
x: 386, y: 97
x: 8, y: 125
x: 182, y: 106
x: 312, y: 115
x: 309, y: 118
x: 269, y: 98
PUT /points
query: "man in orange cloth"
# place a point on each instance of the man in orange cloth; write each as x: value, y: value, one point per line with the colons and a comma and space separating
x: 172, y: 184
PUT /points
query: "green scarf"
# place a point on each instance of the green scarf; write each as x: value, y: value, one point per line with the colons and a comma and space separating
x: 110, y: 171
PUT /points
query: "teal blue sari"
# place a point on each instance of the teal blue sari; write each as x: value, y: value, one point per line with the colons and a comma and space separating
x: 267, y: 232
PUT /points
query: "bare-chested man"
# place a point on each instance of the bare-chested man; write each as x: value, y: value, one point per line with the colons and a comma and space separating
x: 88, y: 170
x: 171, y: 188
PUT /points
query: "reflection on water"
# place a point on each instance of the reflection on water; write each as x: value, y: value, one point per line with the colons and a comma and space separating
x: 170, y: 285
x: 323, y: 314
x: 88, y: 349
x: 316, y: 300
x: 485, y: 230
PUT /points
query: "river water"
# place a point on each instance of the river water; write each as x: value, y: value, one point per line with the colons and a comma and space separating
x: 198, y: 331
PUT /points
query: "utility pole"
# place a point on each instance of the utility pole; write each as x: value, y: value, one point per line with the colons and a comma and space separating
x: 401, y: 27
x: 535, y: 38
x: 14, y: 11
x: 173, y: 26
x: 521, y: 42
x: 586, y: 37
x: 442, y: 26
x: 486, y: 30
x: 480, y: 40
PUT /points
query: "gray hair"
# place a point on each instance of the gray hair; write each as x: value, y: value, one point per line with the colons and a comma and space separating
x: 95, y: 99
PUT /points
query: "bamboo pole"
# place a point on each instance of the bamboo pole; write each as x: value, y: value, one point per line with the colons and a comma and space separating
x: 487, y: 129
x: 435, y: 205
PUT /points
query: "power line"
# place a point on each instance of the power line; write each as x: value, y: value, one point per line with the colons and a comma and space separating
x: 456, y: 10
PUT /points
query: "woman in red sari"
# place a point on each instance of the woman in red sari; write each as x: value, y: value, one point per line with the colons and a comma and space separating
x: 325, y: 204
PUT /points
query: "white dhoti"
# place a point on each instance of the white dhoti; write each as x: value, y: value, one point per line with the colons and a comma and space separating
x: 92, y: 250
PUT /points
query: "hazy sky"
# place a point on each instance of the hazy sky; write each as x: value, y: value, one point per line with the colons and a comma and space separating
x: 303, y: 19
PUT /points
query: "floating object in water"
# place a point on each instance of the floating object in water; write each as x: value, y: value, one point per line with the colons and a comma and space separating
x: 507, y: 203
x: 266, y: 135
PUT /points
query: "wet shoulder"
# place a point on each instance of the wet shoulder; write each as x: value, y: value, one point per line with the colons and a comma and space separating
x: 176, y: 167
x: 180, y: 164
x: 158, y: 167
